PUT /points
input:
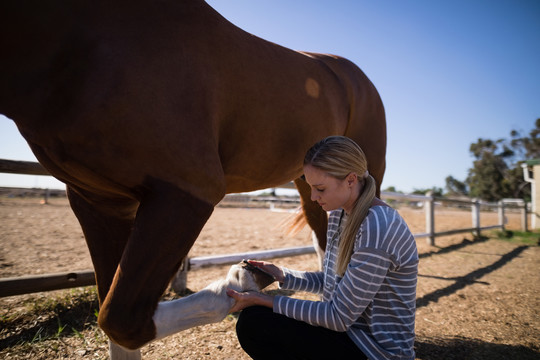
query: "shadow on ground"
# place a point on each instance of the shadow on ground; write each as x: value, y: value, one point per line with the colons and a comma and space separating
x: 470, y: 349
x: 448, y: 249
x: 471, y: 278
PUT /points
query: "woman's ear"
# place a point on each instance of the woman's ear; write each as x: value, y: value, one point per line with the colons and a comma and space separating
x: 352, y: 178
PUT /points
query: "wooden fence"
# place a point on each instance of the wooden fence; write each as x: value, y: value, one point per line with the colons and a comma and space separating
x: 429, y: 203
x: 47, y: 282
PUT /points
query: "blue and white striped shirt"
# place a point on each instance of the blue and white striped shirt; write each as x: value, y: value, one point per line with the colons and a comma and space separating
x: 375, y: 300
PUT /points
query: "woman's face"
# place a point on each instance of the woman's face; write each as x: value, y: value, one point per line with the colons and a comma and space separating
x: 332, y: 193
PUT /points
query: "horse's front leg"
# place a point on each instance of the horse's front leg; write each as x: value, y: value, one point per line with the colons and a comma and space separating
x: 167, y: 223
x: 107, y: 230
x: 116, y: 352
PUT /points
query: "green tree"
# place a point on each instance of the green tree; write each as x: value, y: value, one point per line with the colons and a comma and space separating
x: 527, y: 147
x: 454, y: 187
x: 496, y: 171
x: 486, y: 178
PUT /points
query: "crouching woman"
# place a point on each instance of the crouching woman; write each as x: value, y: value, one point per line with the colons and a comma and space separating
x: 368, y: 281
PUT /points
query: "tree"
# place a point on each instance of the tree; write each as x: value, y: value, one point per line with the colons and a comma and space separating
x: 454, y: 187
x: 496, y: 171
x: 527, y: 147
x: 486, y: 178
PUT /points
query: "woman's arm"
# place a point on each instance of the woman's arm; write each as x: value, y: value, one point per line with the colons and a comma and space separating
x: 249, y: 298
x: 370, y: 264
x: 355, y: 291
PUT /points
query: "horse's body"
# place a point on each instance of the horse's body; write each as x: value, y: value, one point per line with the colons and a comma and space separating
x: 151, y: 111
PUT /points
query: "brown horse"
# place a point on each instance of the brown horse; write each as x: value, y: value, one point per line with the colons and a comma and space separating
x: 151, y: 111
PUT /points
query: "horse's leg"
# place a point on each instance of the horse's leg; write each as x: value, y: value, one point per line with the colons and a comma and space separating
x: 315, y: 216
x: 167, y: 223
x: 116, y: 352
x: 106, y: 236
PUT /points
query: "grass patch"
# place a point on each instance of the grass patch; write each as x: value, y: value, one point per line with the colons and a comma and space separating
x: 531, y: 238
x: 69, y: 313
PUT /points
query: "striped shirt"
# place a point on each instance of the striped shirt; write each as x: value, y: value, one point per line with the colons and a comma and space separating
x: 375, y: 300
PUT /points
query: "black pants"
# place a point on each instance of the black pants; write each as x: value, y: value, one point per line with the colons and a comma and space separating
x: 264, y: 334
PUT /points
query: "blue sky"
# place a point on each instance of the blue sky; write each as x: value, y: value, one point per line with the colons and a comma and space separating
x: 449, y: 72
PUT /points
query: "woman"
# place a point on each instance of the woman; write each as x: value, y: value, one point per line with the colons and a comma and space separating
x: 368, y: 282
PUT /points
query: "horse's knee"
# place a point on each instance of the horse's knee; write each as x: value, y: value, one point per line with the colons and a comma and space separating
x: 127, y: 326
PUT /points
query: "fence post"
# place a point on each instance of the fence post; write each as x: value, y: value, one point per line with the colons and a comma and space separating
x: 46, y: 196
x: 524, y: 215
x: 179, y: 281
x: 429, y: 205
x: 476, y: 217
x: 502, y: 220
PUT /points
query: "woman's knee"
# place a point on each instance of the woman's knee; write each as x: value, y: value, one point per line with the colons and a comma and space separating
x: 250, y: 320
x: 252, y: 332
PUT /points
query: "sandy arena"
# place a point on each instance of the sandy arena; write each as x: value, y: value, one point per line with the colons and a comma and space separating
x: 476, y: 299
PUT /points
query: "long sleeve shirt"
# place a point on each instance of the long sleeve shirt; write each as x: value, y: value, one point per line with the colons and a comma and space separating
x: 375, y: 300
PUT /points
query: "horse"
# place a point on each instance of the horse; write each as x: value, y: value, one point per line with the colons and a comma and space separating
x: 151, y: 111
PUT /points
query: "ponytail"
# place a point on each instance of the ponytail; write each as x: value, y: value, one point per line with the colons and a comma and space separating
x: 352, y: 226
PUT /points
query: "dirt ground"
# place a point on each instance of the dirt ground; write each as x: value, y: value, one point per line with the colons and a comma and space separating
x: 476, y: 298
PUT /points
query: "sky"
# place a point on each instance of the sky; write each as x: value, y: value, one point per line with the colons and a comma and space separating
x: 448, y: 72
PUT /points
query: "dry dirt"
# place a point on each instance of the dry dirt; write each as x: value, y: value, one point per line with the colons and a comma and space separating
x: 476, y: 298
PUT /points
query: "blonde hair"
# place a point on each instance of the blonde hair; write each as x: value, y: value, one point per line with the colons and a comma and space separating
x: 339, y: 156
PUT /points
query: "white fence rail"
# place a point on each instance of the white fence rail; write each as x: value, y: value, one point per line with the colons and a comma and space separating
x: 429, y: 203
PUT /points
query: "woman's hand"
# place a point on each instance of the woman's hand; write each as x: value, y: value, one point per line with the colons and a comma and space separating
x: 270, y: 269
x: 249, y: 298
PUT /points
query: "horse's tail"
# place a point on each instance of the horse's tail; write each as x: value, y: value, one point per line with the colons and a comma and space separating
x: 312, y: 214
x: 293, y: 225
